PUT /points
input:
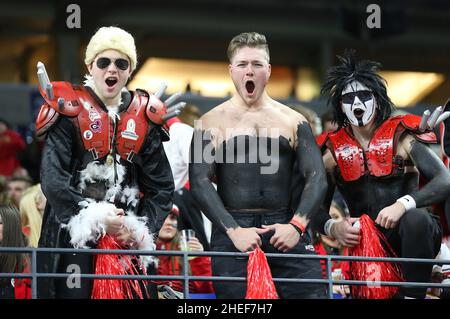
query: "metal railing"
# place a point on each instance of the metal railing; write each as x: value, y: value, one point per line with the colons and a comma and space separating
x: 185, y: 277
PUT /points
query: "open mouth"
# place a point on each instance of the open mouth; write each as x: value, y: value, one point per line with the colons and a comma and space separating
x: 358, y: 113
x: 250, y: 87
x: 110, y: 82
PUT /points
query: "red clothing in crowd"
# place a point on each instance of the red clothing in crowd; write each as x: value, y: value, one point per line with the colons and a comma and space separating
x: 22, y: 288
x: 17, y: 288
x: 335, y: 264
x: 172, y: 266
x: 10, y: 143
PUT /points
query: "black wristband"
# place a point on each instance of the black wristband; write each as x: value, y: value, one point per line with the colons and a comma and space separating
x: 297, y: 229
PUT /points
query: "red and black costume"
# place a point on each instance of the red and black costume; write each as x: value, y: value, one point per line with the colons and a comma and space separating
x: 364, y: 174
x: 375, y: 178
x: 92, y: 157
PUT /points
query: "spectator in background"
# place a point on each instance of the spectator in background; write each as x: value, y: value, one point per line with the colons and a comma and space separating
x: 16, y: 187
x: 169, y: 239
x: 10, y: 144
x: 4, y: 199
x: 441, y: 274
x: 190, y: 114
x: 31, y: 157
x: 11, y: 236
x: 32, y: 208
x: 311, y: 116
x: 177, y: 151
x: 328, y: 122
x: 326, y: 245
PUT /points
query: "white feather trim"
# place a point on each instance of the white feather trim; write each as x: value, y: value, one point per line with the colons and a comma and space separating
x: 142, y: 236
x: 95, y: 172
x: 111, y: 193
x: 113, y: 113
x: 130, y: 196
x: 89, y: 81
x: 89, y: 224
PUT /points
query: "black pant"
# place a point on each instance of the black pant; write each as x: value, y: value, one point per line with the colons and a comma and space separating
x: 447, y: 213
x: 417, y: 235
x: 280, y: 267
x: 74, y: 287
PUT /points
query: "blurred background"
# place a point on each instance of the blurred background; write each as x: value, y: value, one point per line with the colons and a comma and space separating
x: 184, y: 42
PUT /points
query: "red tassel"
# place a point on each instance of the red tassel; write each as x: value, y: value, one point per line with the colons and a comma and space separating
x: 115, y: 265
x: 259, y: 278
x: 371, y: 245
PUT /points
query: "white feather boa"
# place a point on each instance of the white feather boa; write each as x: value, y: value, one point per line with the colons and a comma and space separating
x: 144, y: 240
x: 89, y: 225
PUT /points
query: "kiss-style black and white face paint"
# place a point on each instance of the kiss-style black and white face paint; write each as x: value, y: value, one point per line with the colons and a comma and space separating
x: 358, y: 103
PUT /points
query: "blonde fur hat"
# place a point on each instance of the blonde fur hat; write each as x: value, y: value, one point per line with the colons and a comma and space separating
x: 111, y: 38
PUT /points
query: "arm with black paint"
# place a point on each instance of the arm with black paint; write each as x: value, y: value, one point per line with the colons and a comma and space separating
x: 436, y: 190
x: 313, y: 172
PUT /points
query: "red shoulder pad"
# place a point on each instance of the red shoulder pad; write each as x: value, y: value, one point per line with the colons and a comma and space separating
x: 71, y: 95
x: 45, y: 119
x: 412, y: 122
x: 426, y: 137
x: 156, y: 109
x: 321, y: 139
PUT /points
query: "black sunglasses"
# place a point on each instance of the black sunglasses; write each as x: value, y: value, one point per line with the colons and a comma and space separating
x: 363, y: 96
x: 121, y: 64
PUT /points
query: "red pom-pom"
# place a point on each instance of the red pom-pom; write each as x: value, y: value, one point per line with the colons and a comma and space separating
x: 115, y: 265
x: 259, y: 278
x: 372, y: 243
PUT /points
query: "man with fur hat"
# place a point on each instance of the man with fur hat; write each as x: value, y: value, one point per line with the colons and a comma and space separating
x: 375, y: 159
x: 104, y: 170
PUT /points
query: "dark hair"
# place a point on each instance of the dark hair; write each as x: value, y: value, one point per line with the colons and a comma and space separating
x: 12, y: 237
x: 5, y: 122
x: 328, y: 116
x: 363, y: 71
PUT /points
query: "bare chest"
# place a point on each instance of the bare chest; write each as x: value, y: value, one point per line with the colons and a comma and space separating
x: 260, y: 124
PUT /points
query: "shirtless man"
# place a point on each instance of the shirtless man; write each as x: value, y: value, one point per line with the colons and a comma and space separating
x: 248, y: 146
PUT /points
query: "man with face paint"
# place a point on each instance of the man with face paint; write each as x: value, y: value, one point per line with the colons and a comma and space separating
x: 248, y: 146
x: 375, y: 161
x: 104, y: 170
